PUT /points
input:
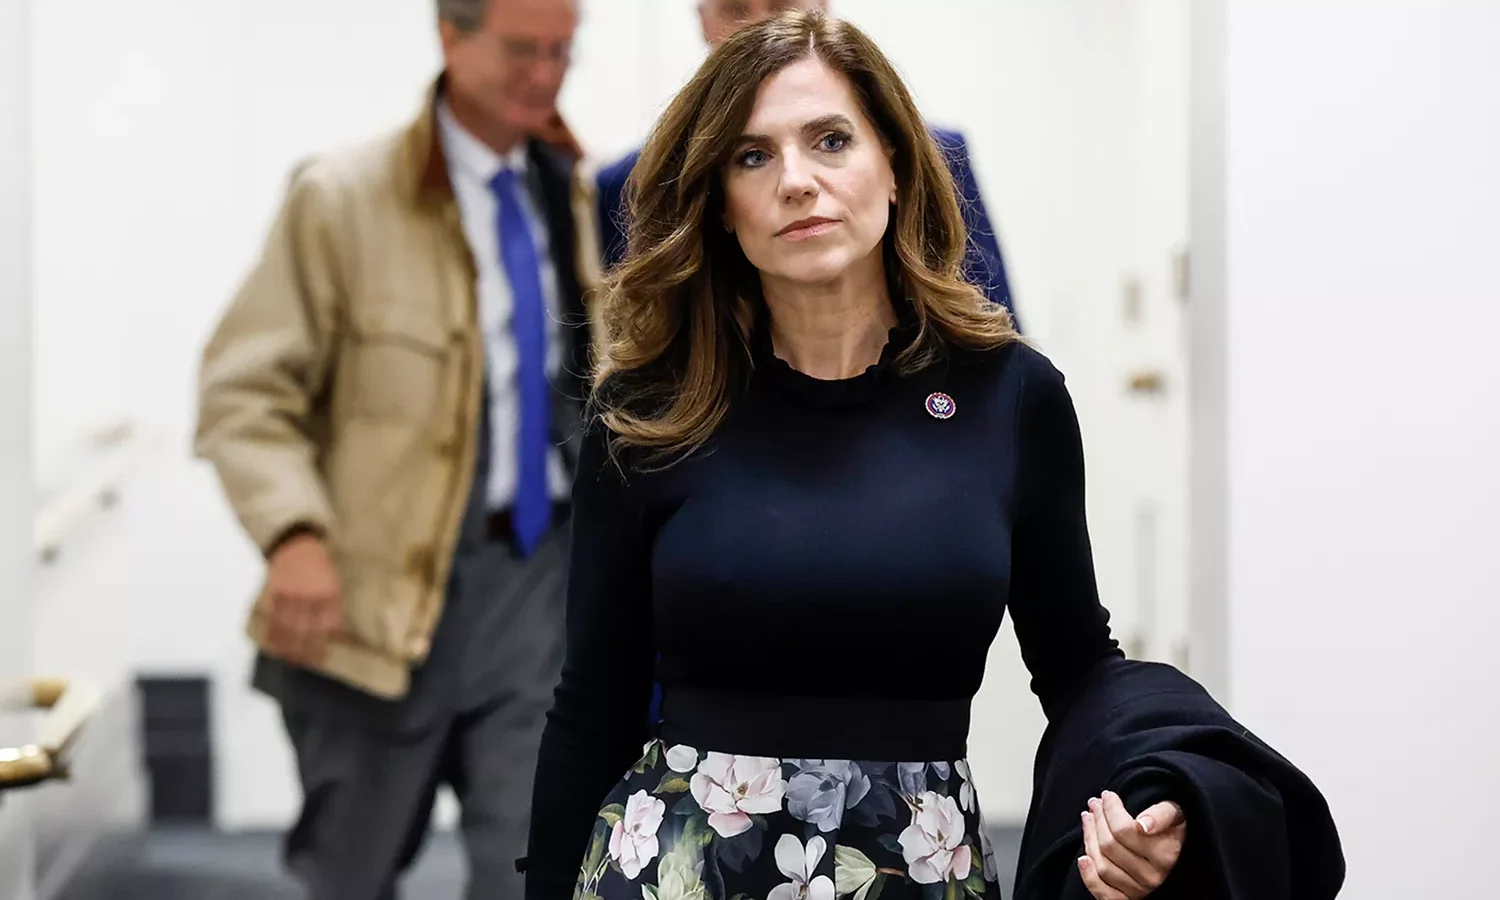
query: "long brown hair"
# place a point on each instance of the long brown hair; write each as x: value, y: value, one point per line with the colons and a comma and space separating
x: 680, y: 307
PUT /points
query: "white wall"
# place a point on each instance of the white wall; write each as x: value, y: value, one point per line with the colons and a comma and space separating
x: 1355, y: 277
x: 15, y: 343
x: 17, y: 839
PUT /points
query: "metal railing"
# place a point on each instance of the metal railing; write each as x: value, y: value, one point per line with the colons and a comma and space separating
x: 90, y: 480
x: 67, y: 707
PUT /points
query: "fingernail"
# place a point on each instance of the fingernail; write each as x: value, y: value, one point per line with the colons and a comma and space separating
x: 1083, y: 862
x: 1148, y: 824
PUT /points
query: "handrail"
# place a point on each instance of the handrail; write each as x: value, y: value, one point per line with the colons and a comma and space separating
x: 69, y: 708
x: 110, y: 454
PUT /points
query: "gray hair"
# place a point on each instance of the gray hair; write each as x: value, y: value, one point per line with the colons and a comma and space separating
x: 466, y: 15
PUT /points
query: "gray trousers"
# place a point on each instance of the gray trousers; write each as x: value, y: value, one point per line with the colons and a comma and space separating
x: 370, y: 769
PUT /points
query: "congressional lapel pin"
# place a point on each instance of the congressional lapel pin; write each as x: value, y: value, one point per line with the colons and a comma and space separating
x: 940, y: 405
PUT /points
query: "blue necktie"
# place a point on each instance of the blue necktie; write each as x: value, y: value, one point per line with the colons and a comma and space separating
x: 531, y: 512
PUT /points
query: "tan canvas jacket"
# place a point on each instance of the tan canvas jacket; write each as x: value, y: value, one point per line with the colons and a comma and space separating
x: 341, y: 389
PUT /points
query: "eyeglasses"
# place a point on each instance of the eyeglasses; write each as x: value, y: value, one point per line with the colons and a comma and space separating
x: 524, y: 52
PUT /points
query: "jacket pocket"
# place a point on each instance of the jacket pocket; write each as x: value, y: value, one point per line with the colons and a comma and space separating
x: 400, y: 364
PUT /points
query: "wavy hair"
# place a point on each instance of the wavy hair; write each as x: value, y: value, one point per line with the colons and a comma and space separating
x: 679, y: 309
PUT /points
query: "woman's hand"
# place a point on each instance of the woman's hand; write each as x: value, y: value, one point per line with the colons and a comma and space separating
x: 1125, y: 858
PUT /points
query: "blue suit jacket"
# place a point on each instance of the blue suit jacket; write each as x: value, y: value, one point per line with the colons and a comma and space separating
x: 982, y: 263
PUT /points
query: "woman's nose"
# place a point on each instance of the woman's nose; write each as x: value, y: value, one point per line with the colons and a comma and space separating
x: 797, y: 180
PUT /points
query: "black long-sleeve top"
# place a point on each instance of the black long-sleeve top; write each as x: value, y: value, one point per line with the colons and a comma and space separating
x: 834, y: 542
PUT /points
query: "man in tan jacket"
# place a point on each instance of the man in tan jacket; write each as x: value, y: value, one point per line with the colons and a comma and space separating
x: 391, y: 402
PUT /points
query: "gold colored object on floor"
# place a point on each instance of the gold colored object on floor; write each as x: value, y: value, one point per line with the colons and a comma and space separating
x: 69, y: 708
x: 23, y: 766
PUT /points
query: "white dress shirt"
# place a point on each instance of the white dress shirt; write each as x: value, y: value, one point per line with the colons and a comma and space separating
x: 472, y: 165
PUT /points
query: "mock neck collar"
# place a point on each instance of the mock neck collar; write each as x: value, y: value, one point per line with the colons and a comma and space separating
x: 826, y: 392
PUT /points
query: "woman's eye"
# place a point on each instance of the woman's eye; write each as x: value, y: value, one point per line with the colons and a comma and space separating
x: 753, y: 158
x: 833, y: 142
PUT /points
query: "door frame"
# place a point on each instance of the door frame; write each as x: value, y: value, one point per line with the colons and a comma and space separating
x: 1208, y: 389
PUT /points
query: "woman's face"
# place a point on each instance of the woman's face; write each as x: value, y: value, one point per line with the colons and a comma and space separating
x: 808, y: 189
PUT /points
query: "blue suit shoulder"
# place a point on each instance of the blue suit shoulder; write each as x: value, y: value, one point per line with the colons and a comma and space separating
x: 615, y: 173
x: 950, y: 140
x: 983, y: 263
x: 610, y: 186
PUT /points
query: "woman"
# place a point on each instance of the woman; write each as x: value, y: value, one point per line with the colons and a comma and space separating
x: 822, y: 469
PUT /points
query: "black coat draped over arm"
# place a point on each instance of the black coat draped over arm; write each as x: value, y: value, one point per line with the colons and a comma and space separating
x: 1258, y: 829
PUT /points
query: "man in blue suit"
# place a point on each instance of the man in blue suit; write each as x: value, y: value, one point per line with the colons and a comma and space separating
x: 720, y: 19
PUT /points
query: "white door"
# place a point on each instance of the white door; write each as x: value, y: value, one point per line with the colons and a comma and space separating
x: 1151, y: 387
x: 1120, y: 331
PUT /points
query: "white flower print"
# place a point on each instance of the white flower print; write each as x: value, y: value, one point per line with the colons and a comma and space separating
x: 798, y: 864
x: 966, y: 790
x: 912, y: 777
x: 682, y: 759
x: 732, y: 788
x: 933, y: 843
x: 632, y: 842
x: 823, y: 789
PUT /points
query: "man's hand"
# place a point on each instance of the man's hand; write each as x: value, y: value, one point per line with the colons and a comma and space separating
x: 305, y: 606
x: 1127, y: 858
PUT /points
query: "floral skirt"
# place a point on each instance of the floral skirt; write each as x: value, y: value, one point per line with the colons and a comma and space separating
x: 685, y: 825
